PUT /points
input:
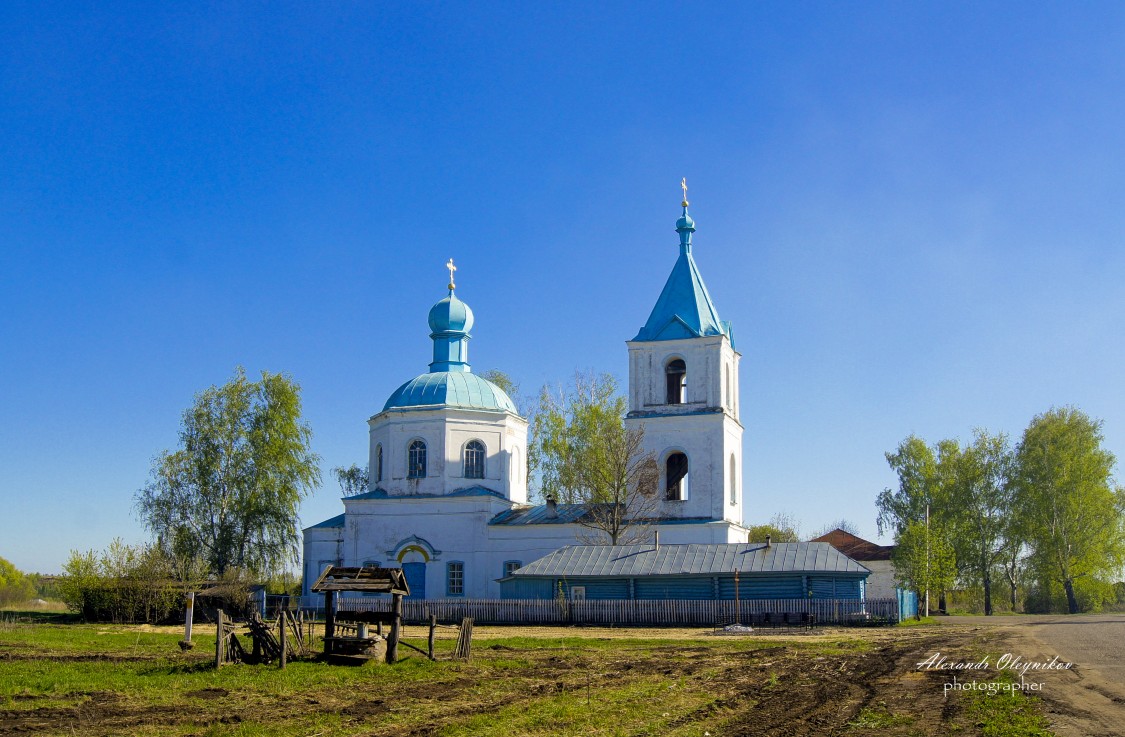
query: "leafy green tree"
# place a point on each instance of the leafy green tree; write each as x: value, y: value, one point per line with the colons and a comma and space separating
x: 1072, y: 512
x: 229, y: 496
x: 586, y: 455
x: 924, y: 487
x: 1012, y: 558
x: 924, y: 495
x: 352, y: 480
x: 781, y: 528
x: 923, y: 559
x: 981, y: 506
x: 510, y: 386
x: 15, y: 586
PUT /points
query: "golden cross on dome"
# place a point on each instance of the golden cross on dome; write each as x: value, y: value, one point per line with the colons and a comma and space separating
x: 683, y: 186
x: 451, y: 268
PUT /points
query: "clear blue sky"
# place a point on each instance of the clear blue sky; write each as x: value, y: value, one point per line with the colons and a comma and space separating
x: 912, y: 213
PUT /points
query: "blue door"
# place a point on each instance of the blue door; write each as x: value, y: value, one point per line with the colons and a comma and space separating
x: 416, y: 579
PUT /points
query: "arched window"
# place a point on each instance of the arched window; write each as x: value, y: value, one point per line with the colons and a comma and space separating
x: 517, y: 465
x: 416, y: 460
x: 733, y: 480
x: 675, y: 374
x: 675, y: 473
x: 378, y: 463
x: 474, y: 460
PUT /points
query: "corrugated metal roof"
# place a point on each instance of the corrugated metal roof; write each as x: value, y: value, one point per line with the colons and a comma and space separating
x: 671, y: 560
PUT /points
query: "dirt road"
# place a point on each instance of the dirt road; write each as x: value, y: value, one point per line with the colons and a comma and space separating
x: 1088, y: 700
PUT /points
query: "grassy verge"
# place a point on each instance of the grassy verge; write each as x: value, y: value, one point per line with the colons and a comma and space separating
x: 1007, y: 712
x: 917, y: 622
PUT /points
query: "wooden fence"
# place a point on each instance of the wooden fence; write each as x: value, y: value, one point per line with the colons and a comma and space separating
x: 632, y: 612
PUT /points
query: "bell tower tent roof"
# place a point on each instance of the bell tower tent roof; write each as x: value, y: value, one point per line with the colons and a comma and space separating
x: 684, y: 308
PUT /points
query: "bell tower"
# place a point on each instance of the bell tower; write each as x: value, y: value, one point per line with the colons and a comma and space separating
x: 683, y: 389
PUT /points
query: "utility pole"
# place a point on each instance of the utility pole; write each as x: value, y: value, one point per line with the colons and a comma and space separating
x: 927, y: 559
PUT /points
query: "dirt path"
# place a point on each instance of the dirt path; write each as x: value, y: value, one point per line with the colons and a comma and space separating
x: 1087, y: 700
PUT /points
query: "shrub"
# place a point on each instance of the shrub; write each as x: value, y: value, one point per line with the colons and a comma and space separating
x: 15, y: 587
x: 123, y: 584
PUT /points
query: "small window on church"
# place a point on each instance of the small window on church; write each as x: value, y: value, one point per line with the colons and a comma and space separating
x: 378, y: 463
x: 474, y: 460
x: 455, y: 579
x: 676, y: 375
x: 416, y: 460
x: 511, y: 566
x: 676, y: 470
x: 733, y: 480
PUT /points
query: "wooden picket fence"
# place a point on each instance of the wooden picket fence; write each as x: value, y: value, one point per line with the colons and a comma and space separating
x: 632, y: 612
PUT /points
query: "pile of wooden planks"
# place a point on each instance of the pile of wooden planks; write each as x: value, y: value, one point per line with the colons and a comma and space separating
x: 463, y: 650
x: 268, y: 647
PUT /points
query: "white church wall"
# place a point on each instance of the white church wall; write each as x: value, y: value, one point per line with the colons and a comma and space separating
x: 322, y: 547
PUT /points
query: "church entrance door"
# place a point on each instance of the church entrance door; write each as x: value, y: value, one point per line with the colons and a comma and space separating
x: 416, y: 579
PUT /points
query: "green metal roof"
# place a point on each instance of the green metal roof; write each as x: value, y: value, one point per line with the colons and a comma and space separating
x: 684, y: 309
x: 450, y: 389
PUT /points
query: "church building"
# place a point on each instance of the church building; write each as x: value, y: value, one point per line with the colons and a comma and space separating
x: 447, y: 497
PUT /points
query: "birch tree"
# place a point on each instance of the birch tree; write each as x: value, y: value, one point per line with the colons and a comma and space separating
x: 228, y: 497
x: 585, y: 455
x: 1071, y: 509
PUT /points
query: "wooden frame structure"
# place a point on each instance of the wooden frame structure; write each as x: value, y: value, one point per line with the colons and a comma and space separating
x: 367, y: 580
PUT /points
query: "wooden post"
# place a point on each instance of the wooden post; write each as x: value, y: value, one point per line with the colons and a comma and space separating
x: 396, y: 628
x: 433, y: 627
x: 218, y: 638
x: 329, y: 621
x: 189, y: 615
x: 282, y: 614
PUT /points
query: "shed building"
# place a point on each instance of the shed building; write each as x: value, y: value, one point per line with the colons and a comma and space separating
x: 694, y: 571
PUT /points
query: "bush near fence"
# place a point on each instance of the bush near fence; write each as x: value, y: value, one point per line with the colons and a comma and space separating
x: 630, y: 612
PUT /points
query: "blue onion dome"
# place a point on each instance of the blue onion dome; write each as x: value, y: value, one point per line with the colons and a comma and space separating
x: 451, y: 315
x: 685, y: 222
x: 451, y: 389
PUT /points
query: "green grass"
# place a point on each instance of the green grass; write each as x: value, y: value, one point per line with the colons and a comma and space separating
x: 141, y: 669
x: 105, y: 679
x: 1007, y: 713
x: 878, y: 717
x: 917, y: 622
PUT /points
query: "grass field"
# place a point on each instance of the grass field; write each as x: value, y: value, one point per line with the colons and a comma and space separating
x: 63, y: 678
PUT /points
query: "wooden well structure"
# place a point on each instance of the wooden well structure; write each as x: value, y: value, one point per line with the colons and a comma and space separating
x: 363, y: 644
